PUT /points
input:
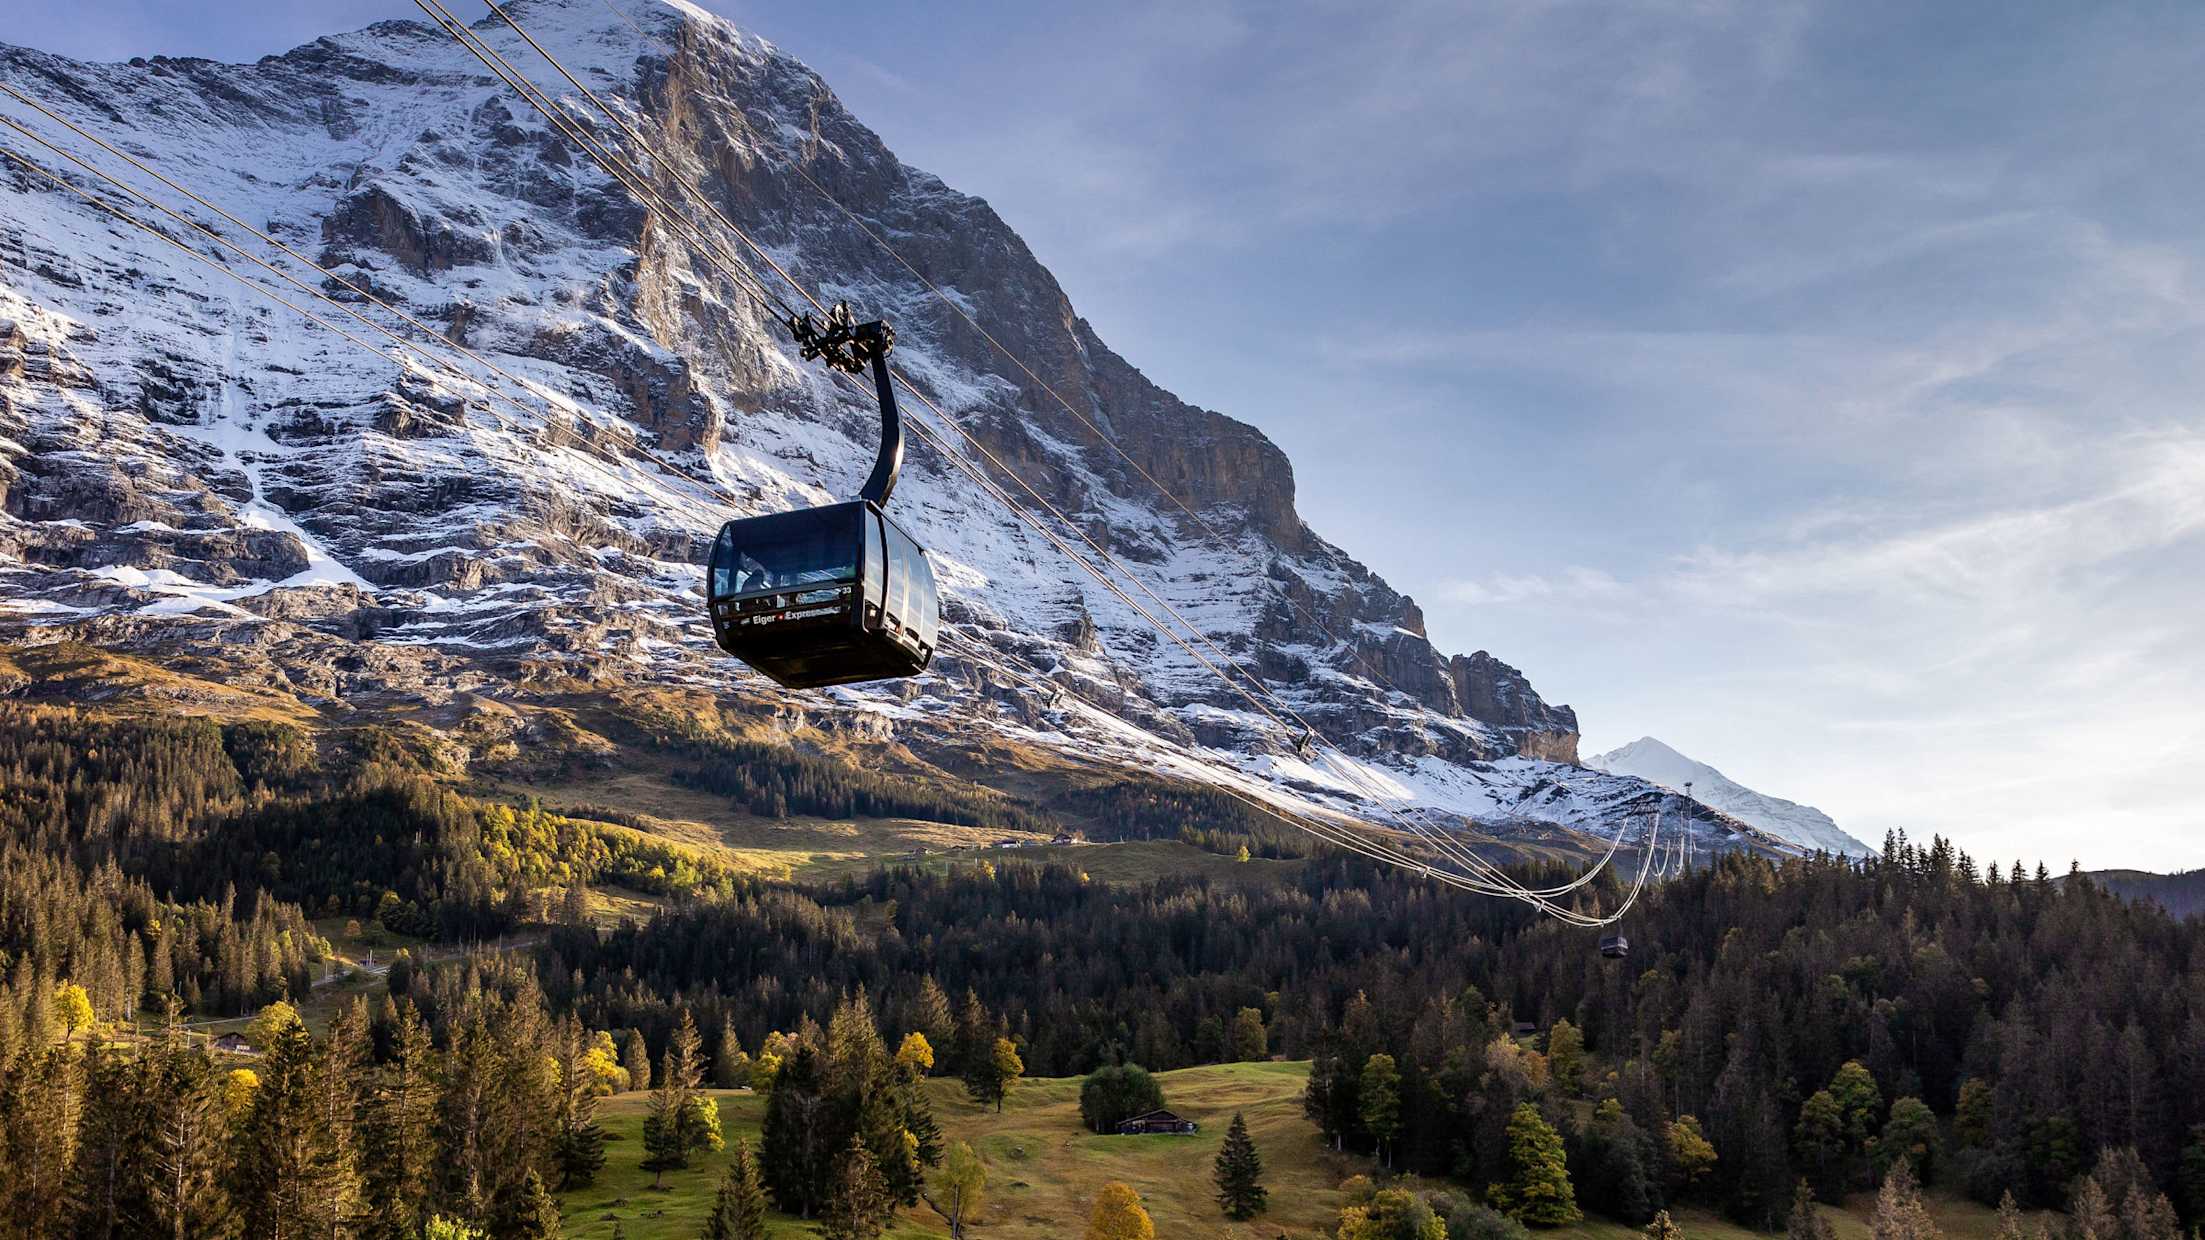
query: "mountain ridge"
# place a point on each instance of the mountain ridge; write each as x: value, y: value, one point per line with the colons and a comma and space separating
x: 1801, y: 825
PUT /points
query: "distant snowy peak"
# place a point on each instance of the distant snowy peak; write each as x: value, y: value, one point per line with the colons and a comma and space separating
x: 1803, y: 825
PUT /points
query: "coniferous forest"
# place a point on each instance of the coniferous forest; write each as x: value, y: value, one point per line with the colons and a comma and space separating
x: 1922, y: 1017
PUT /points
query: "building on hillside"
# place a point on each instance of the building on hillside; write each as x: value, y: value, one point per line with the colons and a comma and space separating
x: 234, y: 1044
x: 1155, y: 1122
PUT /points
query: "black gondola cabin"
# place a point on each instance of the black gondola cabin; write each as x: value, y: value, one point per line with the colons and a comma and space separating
x: 837, y: 594
x: 1615, y: 947
x: 824, y: 596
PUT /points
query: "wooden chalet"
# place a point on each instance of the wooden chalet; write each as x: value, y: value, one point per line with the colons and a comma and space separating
x: 1154, y: 1122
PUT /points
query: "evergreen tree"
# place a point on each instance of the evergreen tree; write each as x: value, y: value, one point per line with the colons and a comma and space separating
x: 108, y: 1186
x: 532, y: 1212
x: 1663, y: 1228
x: 1617, y: 1160
x: 730, y: 1066
x: 794, y: 1148
x: 291, y: 1171
x: 2092, y: 1212
x: 858, y: 1205
x: 1379, y: 1094
x: 918, y: 1120
x: 1805, y: 1221
x: 931, y: 1018
x: 1537, y: 1190
x: 1899, y: 1212
x: 739, y: 1209
x: 1119, y: 1215
x: 681, y: 1121
x: 1239, y: 1173
x: 185, y: 1141
x: 2009, y: 1218
x: 578, y: 1140
x: 2190, y: 1180
x: 2148, y: 1215
x: 973, y: 1042
x: 635, y: 1056
x: 399, y: 1127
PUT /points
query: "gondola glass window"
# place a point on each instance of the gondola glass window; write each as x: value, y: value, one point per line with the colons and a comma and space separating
x: 824, y: 596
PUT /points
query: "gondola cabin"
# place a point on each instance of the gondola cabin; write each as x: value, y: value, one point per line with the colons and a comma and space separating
x: 1615, y: 947
x: 824, y: 596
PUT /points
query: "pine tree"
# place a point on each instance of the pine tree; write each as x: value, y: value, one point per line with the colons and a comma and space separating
x: 578, y: 1141
x: 108, y: 1185
x: 1663, y: 1228
x: 1806, y: 1222
x: 533, y: 1213
x: 2148, y: 1215
x: 795, y: 1146
x: 739, y: 1209
x: 291, y: 1170
x: 1239, y: 1173
x: 186, y: 1139
x: 1899, y: 1212
x: 858, y: 1206
x: 931, y: 1017
x: 1379, y: 1094
x: 635, y: 1056
x: 334, y: 1084
x: 399, y: 1127
x: 2092, y: 1212
x: 1119, y: 1215
x: 1537, y: 1190
x: 918, y: 1120
x: 681, y: 1120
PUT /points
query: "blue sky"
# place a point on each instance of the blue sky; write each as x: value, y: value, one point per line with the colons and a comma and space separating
x: 1815, y: 386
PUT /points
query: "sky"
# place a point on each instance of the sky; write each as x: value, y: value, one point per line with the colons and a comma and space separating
x: 1814, y: 386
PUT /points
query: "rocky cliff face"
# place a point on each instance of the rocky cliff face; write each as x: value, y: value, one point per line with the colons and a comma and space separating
x: 186, y: 465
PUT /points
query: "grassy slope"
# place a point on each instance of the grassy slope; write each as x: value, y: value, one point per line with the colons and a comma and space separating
x: 1044, y: 1169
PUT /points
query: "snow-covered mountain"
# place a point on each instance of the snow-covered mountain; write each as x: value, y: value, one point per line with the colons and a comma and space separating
x: 1802, y: 825
x: 189, y: 468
